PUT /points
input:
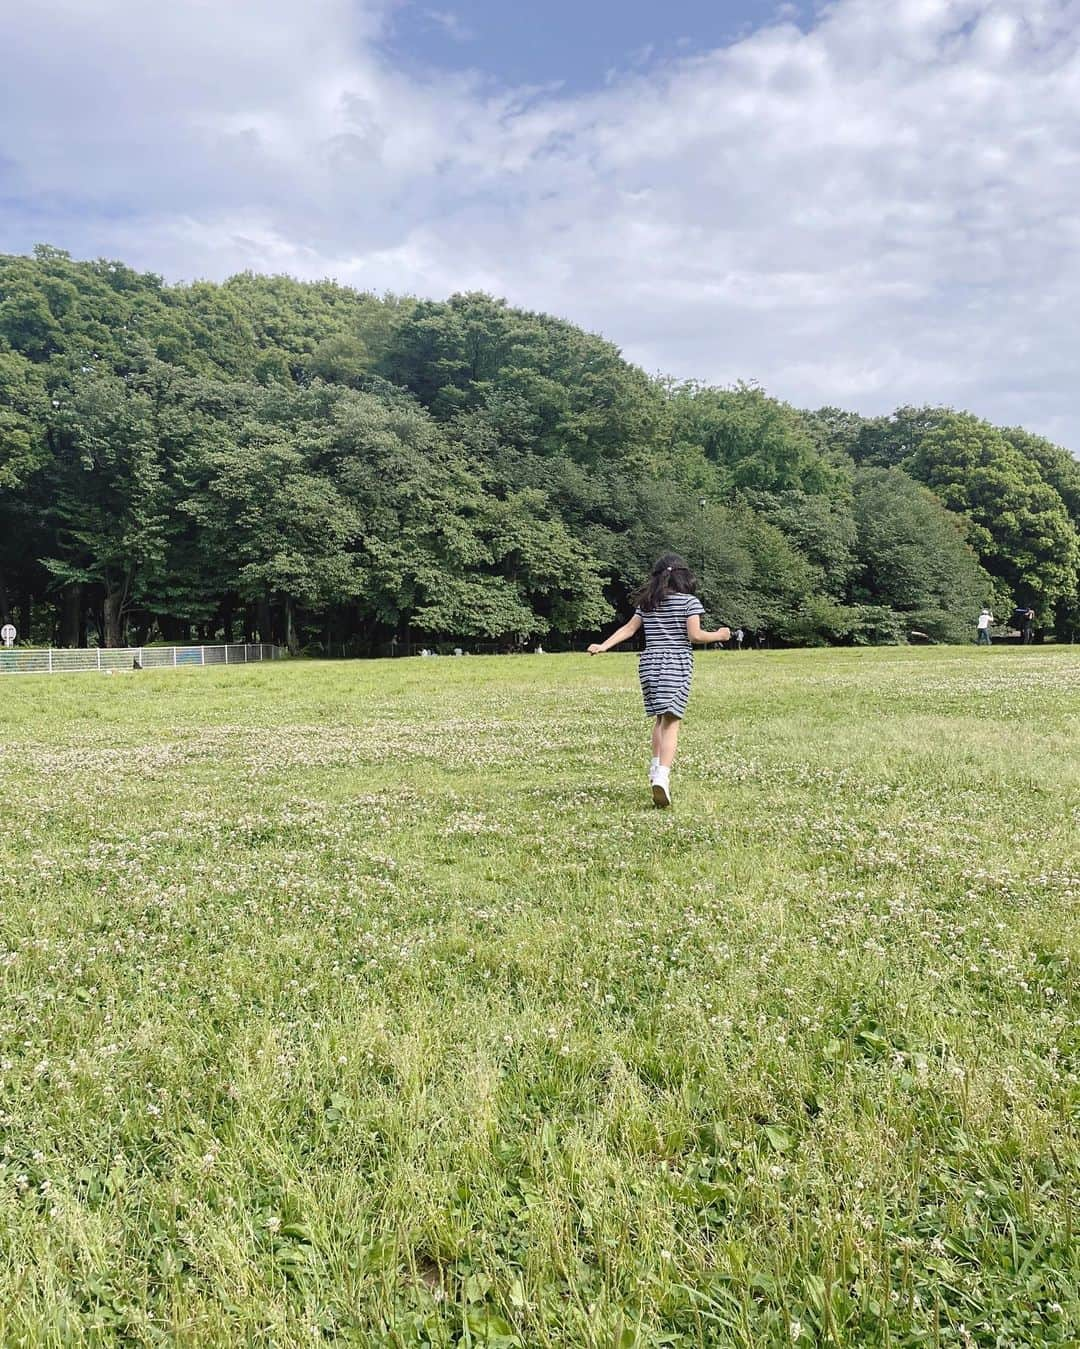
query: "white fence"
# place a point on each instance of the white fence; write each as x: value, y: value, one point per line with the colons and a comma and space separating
x: 82, y: 660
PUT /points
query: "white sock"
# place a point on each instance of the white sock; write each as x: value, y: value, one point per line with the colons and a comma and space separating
x: 654, y: 763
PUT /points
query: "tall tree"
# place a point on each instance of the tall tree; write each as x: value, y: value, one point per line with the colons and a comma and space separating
x: 913, y: 559
x: 108, y: 504
x: 1018, y: 523
x: 322, y: 463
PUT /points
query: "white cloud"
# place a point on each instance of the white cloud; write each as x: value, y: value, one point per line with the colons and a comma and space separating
x: 878, y: 210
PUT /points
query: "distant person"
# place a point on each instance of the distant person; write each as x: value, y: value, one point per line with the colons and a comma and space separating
x: 982, y: 628
x: 740, y: 637
x: 761, y: 639
x: 670, y: 612
x: 1027, y: 627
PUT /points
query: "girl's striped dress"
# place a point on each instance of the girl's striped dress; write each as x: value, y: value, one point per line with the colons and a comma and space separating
x: 667, y: 663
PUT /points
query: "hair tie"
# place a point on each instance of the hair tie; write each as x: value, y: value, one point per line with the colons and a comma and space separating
x: 667, y: 568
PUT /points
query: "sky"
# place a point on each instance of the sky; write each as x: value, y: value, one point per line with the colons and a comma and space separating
x: 574, y: 44
x: 857, y: 203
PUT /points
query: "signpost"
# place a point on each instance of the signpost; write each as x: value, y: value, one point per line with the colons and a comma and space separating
x: 8, y: 633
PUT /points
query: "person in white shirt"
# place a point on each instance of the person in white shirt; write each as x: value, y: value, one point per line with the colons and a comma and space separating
x: 982, y: 628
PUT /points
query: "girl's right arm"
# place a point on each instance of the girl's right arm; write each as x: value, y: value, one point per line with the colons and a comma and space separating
x: 699, y: 638
x: 627, y: 630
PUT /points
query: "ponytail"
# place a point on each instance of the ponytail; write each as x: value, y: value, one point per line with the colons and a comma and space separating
x: 669, y: 576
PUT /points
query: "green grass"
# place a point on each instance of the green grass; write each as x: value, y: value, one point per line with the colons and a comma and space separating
x: 374, y: 1004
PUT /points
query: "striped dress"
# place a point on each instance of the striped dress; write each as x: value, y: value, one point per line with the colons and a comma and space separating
x: 667, y: 663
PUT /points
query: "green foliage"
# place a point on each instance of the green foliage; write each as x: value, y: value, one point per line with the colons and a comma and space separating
x: 1056, y: 466
x: 758, y: 443
x: 752, y: 574
x: 822, y: 527
x: 342, y: 360
x: 1020, y: 525
x: 321, y: 465
x: 560, y: 389
x: 913, y: 559
x: 22, y: 413
x: 108, y: 504
x: 1018, y: 494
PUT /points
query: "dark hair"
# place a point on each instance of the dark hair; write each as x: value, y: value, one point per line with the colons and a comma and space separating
x: 669, y: 576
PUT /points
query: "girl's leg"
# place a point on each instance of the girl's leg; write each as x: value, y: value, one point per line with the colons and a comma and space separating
x: 657, y: 732
x: 669, y: 739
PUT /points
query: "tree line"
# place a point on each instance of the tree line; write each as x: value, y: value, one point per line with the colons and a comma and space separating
x: 314, y: 465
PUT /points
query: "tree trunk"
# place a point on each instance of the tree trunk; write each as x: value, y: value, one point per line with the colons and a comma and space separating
x: 5, y: 612
x: 72, y: 622
x: 114, y: 628
x: 262, y: 619
x: 291, y: 639
x: 27, y: 610
x: 227, y: 619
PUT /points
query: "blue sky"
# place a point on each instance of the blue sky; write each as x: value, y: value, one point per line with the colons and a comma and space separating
x: 860, y: 203
x: 576, y: 44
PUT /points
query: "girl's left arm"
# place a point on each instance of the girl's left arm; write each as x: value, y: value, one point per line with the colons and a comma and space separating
x: 627, y: 630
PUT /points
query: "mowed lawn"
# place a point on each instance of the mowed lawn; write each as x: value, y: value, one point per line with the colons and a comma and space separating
x: 373, y: 1003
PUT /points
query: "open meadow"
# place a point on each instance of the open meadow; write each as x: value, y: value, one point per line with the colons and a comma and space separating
x: 373, y: 1003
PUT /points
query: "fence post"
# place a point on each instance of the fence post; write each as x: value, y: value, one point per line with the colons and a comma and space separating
x: 174, y: 656
x: 226, y: 653
x: 50, y: 660
x: 99, y: 657
x: 202, y: 655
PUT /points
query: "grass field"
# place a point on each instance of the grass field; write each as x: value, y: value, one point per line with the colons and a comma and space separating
x: 374, y: 1004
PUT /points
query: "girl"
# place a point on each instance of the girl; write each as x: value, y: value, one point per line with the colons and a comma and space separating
x: 671, y: 613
